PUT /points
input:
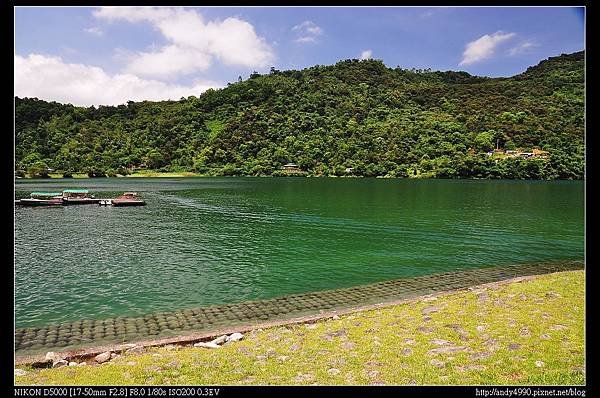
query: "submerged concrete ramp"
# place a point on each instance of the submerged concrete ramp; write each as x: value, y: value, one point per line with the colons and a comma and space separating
x: 91, y: 333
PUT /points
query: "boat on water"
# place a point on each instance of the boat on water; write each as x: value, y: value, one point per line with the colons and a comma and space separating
x: 78, y: 197
x: 128, y: 199
x: 42, y: 199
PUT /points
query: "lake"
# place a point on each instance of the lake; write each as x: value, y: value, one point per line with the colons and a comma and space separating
x: 203, y: 241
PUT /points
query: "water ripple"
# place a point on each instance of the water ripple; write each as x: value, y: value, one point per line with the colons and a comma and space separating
x: 203, y: 241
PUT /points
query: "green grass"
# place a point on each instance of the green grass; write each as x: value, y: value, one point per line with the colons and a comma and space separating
x: 151, y: 173
x: 501, y: 332
x: 60, y: 176
x: 139, y: 173
x: 214, y: 127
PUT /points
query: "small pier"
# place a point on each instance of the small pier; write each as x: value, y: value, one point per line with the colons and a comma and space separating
x: 79, y: 197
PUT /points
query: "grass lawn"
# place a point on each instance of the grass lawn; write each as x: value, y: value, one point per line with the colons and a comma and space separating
x: 526, y: 332
x: 140, y: 173
x: 60, y: 176
x: 150, y: 173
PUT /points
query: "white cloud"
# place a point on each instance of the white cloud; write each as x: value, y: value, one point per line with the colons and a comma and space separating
x: 309, y: 27
x: 193, y: 42
x: 166, y: 62
x: 521, y: 48
x: 94, y: 31
x: 431, y: 11
x: 367, y: 54
x: 134, y: 14
x: 307, y: 32
x: 51, y: 79
x: 484, y: 47
x: 305, y: 39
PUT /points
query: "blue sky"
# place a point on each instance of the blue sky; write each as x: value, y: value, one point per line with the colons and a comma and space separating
x: 88, y: 55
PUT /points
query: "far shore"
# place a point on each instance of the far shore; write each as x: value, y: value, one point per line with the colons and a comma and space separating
x: 78, y: 176
x: 181, y: 174
x: 167, y: 174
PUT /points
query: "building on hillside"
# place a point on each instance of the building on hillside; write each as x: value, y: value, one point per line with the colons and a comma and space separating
x: 291, y: 167
x: 525, y: 155
x: 540, y: 154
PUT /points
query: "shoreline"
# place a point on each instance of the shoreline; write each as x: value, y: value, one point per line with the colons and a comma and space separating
x: 189, y: 174
x: 514, y: 331
x: 299, y: 309
x: 190, y: 339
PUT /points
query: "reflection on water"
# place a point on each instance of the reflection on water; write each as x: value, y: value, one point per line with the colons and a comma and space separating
x: 202, y: 241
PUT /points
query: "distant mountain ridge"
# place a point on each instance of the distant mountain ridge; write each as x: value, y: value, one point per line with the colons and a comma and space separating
x: 352, y: 118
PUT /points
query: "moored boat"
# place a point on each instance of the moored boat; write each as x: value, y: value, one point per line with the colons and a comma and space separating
x: 78, y: 197
x: 42, y: 199
x: 128, y: 199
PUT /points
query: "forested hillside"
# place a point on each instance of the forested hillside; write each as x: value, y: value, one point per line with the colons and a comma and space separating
x: 351, y: 118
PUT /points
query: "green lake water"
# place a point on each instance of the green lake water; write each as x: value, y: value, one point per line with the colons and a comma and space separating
x: 203, y: 241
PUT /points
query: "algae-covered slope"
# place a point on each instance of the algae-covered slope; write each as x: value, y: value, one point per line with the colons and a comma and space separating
x: 529, y: 332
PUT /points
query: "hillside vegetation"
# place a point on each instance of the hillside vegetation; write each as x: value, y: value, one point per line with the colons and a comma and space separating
x: 352, y: 118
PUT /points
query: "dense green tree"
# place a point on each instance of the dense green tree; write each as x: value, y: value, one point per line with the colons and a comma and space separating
x: 356, y: 114
x: 38, y: 169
